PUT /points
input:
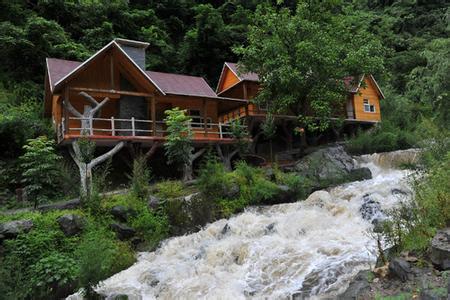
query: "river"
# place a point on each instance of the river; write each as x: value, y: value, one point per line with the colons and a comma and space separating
x: 313, y: 247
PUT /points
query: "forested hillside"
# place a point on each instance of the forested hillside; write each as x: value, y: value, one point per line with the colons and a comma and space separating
x: 196, y: 37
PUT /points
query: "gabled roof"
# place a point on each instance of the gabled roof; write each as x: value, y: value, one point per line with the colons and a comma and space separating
x: 82, y: 66
x: 250, y: 76
x: 233, y: 67
x: 58, y: 69
x: 353, y: 84
x: 178, y: 84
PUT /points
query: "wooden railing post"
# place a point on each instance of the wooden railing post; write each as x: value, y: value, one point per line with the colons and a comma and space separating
x: 153, y: 112
x: 205, y: 118
x: 113, y: 127
x: 220, y: 130
x: 133, y: 133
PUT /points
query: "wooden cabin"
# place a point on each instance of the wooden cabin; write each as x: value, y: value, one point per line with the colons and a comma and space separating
x: 363, y: 102
x: 137, y: 98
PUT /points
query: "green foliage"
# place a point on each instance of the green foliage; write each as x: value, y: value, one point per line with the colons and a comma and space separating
x: 115, y: 256
x: 302, y: 55
x: 87, y: 149
x: 301, y: 185
x: 40, y: 170
x: 178, y: 141
x: 170, y: 189
x: 412, y: 225
x: 140, y: 178
x: 52, y: 273
x: 213, y: 180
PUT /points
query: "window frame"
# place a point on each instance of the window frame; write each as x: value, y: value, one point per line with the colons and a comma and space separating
x: 367, y: 107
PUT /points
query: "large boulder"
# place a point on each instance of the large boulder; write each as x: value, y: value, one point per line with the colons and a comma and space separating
x: 123, y: 231
x: 330, y: 166
x: 122, y: 213
x: 358, y: 286
x: 400, y: 268
x: 71, y: 224
x: 440, y: 249
x: 11, y: 230
x: 153, y: 202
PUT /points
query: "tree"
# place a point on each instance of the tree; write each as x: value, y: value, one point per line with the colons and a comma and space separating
x: 40, y: 169
x: 269, y: 130
x: 82, y: 151
x: 179, y: 149
x: 302, y: 57
x: 228, y: 151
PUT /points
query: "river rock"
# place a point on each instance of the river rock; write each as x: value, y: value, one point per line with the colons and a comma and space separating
x: 360, y: 174
x: 326, y: 166
x: 371, y: 210
x: 122, y: 213
x: 400, y: 268
x: 429, y: 294
x: 357, y: 287
x: 440, y: 249
x: 71, y: 224
x: 10, y: 230
x: 123, y: 231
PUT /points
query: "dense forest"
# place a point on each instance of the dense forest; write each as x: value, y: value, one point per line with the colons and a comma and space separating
x: 408, y: 51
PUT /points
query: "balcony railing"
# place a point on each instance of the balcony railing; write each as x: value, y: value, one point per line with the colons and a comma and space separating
x: 136, y: 127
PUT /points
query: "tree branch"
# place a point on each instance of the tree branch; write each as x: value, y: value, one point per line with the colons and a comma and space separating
x: 152, y: 150
x: 89, y: 98
x: 198, y: 154
x: 233, y: 153
x: 97, y: 107
x: 219, y: 151
x: 107, y: 155
x: 71, y: 109
x: 74, y: 156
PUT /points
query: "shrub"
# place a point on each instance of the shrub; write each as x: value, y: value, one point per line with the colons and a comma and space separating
x: 40, y: 169
x: 213, y: 180
x: 170, y: 189
x: 115, y: 256
x: 301, y: 185
x: 140, y: 178
x: 54, y: 275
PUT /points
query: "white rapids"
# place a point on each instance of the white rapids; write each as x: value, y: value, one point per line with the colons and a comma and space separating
x: 311, y: 248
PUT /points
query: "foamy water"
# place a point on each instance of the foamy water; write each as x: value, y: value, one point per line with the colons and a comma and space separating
x: 312, y: 247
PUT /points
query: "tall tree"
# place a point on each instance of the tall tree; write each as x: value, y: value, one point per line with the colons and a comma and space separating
x: 302, y: 57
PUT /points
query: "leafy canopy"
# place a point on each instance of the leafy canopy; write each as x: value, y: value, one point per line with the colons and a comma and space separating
x: 178, y: 141
x: 302, y: 56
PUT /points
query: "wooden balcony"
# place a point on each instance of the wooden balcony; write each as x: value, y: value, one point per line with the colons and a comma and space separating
x: 110, y: 130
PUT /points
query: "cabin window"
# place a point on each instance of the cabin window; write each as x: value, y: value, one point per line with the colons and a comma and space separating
x: 368, y: 107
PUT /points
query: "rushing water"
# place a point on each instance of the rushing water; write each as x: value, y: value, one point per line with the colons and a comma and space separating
x: 313, y: 247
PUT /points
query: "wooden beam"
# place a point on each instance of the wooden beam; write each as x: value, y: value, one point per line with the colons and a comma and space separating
x: 244, y: 86
x: 111, y: 61
x: 113, y: 92
x: 205, y: 120
x: 153, y: 112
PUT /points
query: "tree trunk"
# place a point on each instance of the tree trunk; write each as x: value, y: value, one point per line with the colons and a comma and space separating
x: 271, y: 151
x: 188, y: 167
x: 226, y: 157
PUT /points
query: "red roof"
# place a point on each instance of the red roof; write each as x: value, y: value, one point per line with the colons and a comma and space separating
x: 59, y: 68
x: 181, y: 84
x: 167, y: 82
x: 352, y: 84
x: 242, y: 76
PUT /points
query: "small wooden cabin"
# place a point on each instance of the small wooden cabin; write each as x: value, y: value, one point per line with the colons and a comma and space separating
x: 137, y: 98
x: 363, y: 103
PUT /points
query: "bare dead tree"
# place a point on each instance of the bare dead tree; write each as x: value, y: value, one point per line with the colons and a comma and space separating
x: 84, y: 167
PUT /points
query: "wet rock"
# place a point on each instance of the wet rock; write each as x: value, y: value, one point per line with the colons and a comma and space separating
x: 371, y: 210
x: 225, y: 229
x: 400, y: 268
x: 122, y: 213
x: 440, y: 249
x: 360, y: 174
x: 153, y: 202
x: 270, y: 228
x: 136, y: 241
x: 10, y: 230
x: 118, y: 297
x: 123, y: 232
x: 71, y: 204
x: 284, y: 194
x: 328, y: 166
x: 71, y: 224
x: 357, y: 287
